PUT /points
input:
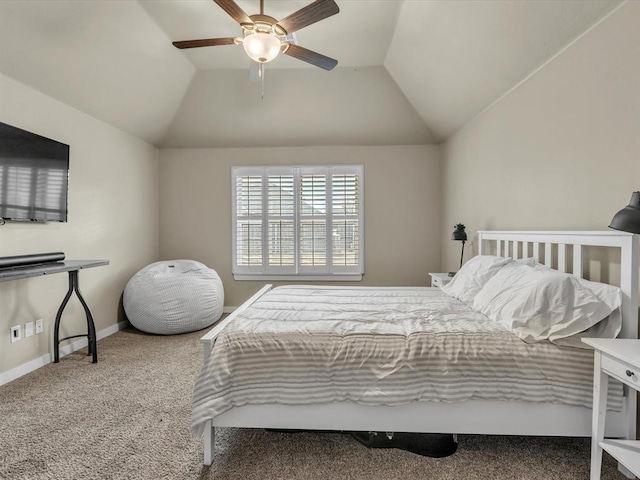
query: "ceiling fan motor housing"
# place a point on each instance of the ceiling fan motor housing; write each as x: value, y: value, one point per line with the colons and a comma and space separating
x: 260, y: 40
x: 261, y: 47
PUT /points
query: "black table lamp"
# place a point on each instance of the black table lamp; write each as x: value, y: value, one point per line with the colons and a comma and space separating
x: 460, y: 235
x: 628, y: 219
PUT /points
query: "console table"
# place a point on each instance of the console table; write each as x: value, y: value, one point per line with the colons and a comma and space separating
x: 72, y: 267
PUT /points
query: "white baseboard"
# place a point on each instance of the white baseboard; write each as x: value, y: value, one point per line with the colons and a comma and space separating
x: 228, y: 309
x: 39, y: 362
x: 25, y: 368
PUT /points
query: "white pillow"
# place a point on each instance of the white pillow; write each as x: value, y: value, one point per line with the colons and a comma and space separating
x: 609, y: 294
x: 473, y: 275
x: 540, y: 304
x: 609, y: 327
x: 529, y: 261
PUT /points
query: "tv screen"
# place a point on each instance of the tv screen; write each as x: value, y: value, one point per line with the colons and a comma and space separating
x: 34, y: 176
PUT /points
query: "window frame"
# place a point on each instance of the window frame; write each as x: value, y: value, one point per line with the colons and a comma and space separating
x: 327, y: 272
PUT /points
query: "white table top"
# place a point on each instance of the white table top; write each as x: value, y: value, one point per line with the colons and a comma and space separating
x: 625, y: 349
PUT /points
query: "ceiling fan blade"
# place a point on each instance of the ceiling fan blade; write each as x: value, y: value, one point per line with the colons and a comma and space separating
x: 234, y: 11
x: 311, y: 57
x: 205, y: 42
x: 312, y: 13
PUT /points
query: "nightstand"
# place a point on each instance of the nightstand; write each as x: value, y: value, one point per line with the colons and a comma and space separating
x: 439, y: 279
x: 618, y: 358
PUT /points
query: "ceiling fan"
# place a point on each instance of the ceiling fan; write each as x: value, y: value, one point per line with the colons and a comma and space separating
x: 264, y: 37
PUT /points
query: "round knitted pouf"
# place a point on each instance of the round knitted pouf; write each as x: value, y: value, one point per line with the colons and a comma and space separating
x: 176, y: 296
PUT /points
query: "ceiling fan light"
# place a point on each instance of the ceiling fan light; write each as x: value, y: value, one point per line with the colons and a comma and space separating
x: 261, y: 47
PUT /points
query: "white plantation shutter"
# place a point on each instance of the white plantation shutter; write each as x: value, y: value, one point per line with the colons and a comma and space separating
x: 312, y: 238
x: 281, y: 245
x: 345, y: 212
x: 248, y: 200
x: 298, y: 222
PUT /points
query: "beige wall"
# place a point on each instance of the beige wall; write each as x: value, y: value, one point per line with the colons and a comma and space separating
x: 301, y: 106
x: 113, y: 214
x: 561, y: 151
x: 402, y: 194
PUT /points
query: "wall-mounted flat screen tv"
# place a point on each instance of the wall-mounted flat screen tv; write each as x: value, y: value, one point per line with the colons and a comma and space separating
x: 34, y: 176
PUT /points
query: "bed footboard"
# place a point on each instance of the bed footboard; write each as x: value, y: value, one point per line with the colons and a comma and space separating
x: 210, y: 338
x: 207, y: 343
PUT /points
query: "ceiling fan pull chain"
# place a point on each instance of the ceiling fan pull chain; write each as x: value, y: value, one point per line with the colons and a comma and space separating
x: 261, y: 73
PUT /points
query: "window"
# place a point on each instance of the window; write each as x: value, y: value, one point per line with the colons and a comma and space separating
x: 298, y: 223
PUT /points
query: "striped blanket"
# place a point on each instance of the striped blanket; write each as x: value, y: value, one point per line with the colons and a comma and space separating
x: 303, y: 345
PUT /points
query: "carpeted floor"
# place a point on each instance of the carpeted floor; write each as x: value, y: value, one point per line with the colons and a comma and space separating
x: 128, y: 417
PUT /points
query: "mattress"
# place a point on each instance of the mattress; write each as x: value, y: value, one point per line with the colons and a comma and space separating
x: 304, y: 345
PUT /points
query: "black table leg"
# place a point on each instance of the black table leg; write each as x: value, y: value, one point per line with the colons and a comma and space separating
x: 56, y: 327
x: 91, y: 327
x: 92, y: 348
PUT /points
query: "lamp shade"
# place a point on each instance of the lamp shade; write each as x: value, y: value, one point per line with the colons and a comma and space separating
x: 628, y: 219
x: 459, y: 233
x: 261, y: 47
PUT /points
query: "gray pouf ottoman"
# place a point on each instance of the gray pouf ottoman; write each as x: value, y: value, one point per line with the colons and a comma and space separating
x: 176, y: 296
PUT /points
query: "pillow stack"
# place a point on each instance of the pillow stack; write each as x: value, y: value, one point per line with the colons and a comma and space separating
x: 537, y: 303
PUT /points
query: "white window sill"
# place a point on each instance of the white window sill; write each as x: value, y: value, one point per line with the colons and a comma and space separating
x: 352, y: 277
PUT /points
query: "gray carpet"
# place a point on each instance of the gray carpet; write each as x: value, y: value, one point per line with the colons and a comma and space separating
x: 128, y: 417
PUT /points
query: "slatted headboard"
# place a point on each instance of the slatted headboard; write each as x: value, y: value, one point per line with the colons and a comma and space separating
x: 546, y: 247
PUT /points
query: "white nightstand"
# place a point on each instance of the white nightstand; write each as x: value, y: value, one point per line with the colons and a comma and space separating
x: 439, y: 279
x: 618, y: 358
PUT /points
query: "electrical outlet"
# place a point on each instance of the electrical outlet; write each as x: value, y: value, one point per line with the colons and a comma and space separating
x: 28, y: 329
x: 39, y: 326
x: 16, y: 333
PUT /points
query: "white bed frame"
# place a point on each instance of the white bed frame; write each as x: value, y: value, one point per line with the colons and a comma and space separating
x: 475, y: 416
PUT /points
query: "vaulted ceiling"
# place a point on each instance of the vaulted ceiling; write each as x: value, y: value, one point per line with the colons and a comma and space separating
x: 409, y: 72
